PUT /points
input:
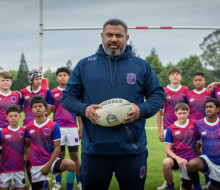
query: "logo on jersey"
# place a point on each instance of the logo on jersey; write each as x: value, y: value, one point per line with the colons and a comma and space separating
x: 34, y: 178
x: 7, y: 136
x: 218, y: 93
x: 191, y: 129
x: 1, y: 182
x: 47, y: 131
x: 168, y: 97
x: 183, y: 96
x: 56, y: 95
x: 91, y: 58
x: 177, y: 132
x: 42, y: 95
x: 26, y: 97
x: 142, y: 172
x: 203, y: 133
x: 32, y: 131
x: 21, y: 134
x: 207, y: 97
x: 131, y: 78
x: 13, y: 99
x: 191, y: 99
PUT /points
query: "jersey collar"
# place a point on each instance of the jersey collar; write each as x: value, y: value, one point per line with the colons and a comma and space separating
x: 60, y: 88
x: 12, y: 129
x: 3, y: 94
x: 211, y: 124
x: 36, y: 91
x: 182, y: 126
x: 199, y: 92
x: 174, y: 89
x: 42, y: 124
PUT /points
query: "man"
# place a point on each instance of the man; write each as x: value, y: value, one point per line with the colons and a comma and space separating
x: 180, y: 146
x: 68, y: 129
x: 174, y: 93
x: 209, y: 130
x: 44, y: 137
x: 113, y: 72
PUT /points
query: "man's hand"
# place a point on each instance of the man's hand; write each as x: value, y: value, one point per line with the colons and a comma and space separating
x: 90, y: 113
x: 133, y: 115
x: 211, y: 86
x: 161, y: 136
x: 182, y: 162
x: 45, y: 170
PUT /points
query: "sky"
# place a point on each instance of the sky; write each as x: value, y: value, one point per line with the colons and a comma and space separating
x: 19, y: 29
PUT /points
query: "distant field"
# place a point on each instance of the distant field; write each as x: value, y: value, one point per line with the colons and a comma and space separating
x: 155, y: 158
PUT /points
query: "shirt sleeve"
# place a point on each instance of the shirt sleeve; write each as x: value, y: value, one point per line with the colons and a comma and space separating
x: 49, y: 98
x: 197, y: 135
x: 27, y: 136
x: 56, y: 132
x: 20, y: 103
x: 169, y: 137
x: 0, y: 140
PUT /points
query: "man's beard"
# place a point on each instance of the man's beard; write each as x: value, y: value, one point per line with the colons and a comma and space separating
x: 113, y: 53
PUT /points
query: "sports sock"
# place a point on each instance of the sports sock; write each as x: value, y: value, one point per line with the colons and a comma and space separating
x: 78, y: 179
x: 207, y: 179
x: 197, y: 186
x: 28, y: 167
x: 70, y: 177
x: 170, y: 186
x: 59, y: 178
x: 46, y: 184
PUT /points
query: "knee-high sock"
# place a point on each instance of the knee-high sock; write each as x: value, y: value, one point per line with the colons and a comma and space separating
x: 70, y: 177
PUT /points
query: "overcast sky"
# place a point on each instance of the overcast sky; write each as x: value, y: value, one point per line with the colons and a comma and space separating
x: 19, y: 28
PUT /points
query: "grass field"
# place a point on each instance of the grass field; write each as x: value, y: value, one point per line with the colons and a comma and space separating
x: 155, y: 158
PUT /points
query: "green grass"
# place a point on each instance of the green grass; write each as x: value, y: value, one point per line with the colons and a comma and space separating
x: 156, y: 155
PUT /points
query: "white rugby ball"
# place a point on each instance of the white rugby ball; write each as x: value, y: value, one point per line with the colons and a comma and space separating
x: 113, y: 112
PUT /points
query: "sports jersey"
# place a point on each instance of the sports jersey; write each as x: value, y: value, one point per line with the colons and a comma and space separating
x: 27, y: 95
x: 210, y: 136
x: 183, y: 138
x: 12, y: 141
x: 173, y: 97
x: 216, y: 94
x: 61, y: 115
x: 42, y: 137
x: 196, y: 101
x: 5, y: 101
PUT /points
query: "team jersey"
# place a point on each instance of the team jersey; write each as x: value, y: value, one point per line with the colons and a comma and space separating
x: 42, y: 137
x: 27, y: 95
x: 183, y: 138
x: 216, y: 94
x: 196, y: 101
x: 210, y: 136
x: 5, y: 101
x: 172, y: 97
x: 12, y: 141
x: 62, y: 116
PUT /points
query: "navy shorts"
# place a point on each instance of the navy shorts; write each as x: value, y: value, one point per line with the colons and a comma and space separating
x: 130, y: 171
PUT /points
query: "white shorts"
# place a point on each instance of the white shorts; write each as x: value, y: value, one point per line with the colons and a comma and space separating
x: 184, y: 173
x: 214, y: 169
x: 36, y: 174
x: 164, y: 132
x: 69, y: 136
x: 17, y: 177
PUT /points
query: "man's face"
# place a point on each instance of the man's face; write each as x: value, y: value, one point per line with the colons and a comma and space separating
x: 13, y: 118
x: 62, y: 78
x: 175, y: 78
x: 114, y: 40
x: 37, y: 81
x: 182, y: 115
x: 198, y: 82
x: 5, y: 84
x: 211, y: 110
x: 39, y: 109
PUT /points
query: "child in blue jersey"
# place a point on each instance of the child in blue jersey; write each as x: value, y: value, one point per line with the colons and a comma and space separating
x: 44, y: 137
x: 12, y: 139
x: 180, y: 146
x: 209, y: 131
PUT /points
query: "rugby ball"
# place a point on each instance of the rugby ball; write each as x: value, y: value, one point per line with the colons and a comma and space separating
x: 113, y: 112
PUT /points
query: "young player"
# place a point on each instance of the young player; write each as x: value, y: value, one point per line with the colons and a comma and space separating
x: 44, y: 137
x: 180, y: 146
x: 209, y: 132
x: 68, y: 128
x: 174, y: 94
x: 7, y: 97
x: 35, y: 80
x: 12, y: 140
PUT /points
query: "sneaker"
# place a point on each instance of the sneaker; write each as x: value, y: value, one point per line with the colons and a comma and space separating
x: 206, y: 187
x: 79, y: 186
x: 163, y: 187
x: 56, y: 186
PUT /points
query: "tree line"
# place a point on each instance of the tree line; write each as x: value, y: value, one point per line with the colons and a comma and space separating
x: 210, y: 58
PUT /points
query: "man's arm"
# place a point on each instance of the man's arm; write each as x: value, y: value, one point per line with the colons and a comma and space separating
x: 80, y: 126
x: 159, y: 121
x: 212, y: 85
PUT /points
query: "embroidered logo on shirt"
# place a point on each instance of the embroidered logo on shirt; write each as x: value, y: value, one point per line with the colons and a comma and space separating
x: 168, y: 97
x: 32, y: 131
x: 42, y: 95
x: 47, y: 131
x: 177, y: 132
x: 207, y: 97
x: 26, y: 97
x: 131, y: 78
x: 203, y: 133
x: 91, y: 58
x: 142, y: 172
x: 56, y: 95
x: 13, y: 99
x: 218, y: 93
x: 183, y: 96
x: 21, y: 133
x: 191, y: 129
x: 191, y: 99
x: 7, y: 136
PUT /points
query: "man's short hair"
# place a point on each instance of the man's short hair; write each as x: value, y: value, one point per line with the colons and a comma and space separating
x: 62, y: 69
x: 13, y: 108
x: 174, y: 70
x: 214, y: 100
x: 38, y: 99
x: 115, y: 22
x: 182, y: 106
x: 6, y: 75
x: 199, y: 73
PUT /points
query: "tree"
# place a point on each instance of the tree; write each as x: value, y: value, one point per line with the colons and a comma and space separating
x: 134, y: 50
x: 22, y: 78
x: 51, y: 76
x: 211, y: 50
